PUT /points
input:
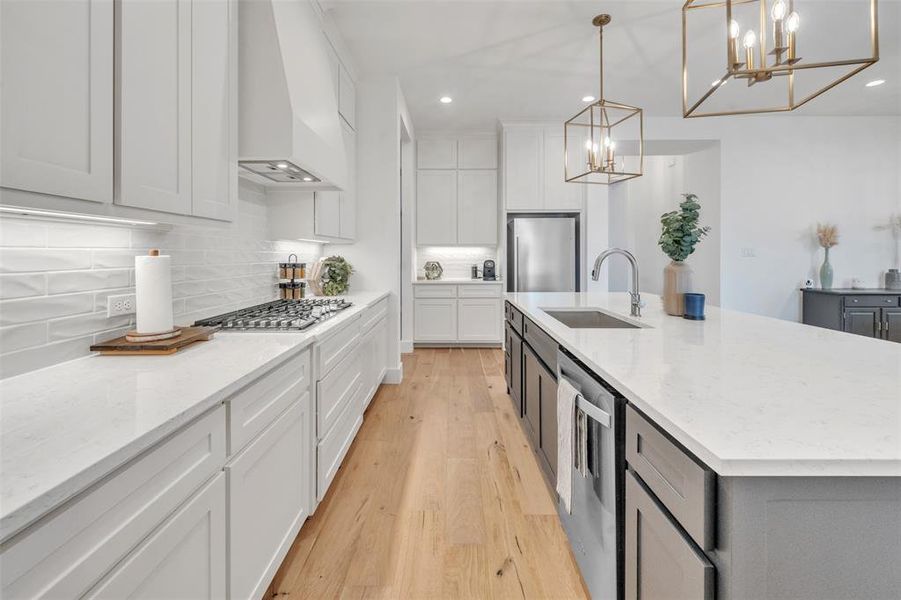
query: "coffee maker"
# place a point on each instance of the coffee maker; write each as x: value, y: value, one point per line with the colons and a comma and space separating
x: 488, y: 273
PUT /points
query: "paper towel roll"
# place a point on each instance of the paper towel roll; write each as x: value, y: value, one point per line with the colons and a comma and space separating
x: 153, y: 293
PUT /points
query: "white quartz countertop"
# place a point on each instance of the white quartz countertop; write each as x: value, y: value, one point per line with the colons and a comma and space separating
x: 748, y: 395
x: 457, y: 281
x: 64, y: 427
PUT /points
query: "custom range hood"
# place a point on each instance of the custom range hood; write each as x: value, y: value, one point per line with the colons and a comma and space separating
x: 289, y: 133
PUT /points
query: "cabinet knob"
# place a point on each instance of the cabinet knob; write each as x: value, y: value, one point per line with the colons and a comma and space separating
x: 855, y: 300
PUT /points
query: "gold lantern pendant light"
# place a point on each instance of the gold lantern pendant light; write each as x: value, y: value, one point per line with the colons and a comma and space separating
x: 793, y: 80
x: 604, y: 142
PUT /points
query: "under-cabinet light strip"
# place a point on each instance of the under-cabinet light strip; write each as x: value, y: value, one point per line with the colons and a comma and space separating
x: 32, y: 212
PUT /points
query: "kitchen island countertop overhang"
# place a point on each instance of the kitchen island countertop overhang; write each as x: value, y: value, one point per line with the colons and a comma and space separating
x: 748, y: 395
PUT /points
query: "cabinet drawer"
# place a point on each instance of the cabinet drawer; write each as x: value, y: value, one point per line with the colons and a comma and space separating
x: 332, y: 449
x: 269, y: 498
x: 516, y: 319
x: 661, y: 562
x: 372, y: 315
x: 479, y: 290
x: 331, y: 350
x: 68, y: 552
x: 686, y: 487
x: 257, y: 405
x: 184, y: 558
x: 874, y: 301
x: 337, y: 390
x: 434, y: 290
x: 543, y: 344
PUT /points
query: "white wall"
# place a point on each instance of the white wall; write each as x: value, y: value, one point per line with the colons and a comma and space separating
x: 376, y: 255
x: 56, y: 277
x: 778, y: 176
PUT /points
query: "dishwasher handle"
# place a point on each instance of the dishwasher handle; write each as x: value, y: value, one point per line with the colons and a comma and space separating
x: 601, y: 416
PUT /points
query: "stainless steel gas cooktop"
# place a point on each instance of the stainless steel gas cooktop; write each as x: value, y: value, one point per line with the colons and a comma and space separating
x: 279, y: 315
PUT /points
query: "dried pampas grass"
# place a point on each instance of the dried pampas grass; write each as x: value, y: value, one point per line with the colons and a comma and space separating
x: 827, y: 235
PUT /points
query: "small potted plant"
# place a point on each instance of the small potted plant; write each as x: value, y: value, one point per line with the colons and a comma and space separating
x: 331, y: 276
x: 681, y: 233
x: 827, y: 237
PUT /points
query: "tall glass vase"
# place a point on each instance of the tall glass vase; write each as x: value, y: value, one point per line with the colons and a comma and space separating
x: 826, y: 273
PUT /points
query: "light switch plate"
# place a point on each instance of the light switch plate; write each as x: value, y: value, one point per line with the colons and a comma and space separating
x: 123, y: 304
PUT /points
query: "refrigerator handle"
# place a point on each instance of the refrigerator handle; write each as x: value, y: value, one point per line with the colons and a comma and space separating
x: 516, y: 265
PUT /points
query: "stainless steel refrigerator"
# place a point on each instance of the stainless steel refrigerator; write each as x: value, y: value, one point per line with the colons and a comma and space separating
x: 543, y: 253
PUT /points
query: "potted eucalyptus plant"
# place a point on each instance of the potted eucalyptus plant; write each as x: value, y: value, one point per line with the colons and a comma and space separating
x: 681, y: 233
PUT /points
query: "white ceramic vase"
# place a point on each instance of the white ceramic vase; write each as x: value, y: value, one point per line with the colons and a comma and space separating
x: 676, y: 281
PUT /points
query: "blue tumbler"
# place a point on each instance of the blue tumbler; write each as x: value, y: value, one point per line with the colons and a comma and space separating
x: 694, y: 307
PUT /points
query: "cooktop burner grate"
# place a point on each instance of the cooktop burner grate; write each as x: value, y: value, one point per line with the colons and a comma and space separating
x: 279, y: 315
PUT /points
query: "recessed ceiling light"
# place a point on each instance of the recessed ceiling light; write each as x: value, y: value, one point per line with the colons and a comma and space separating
x: 282, y: 165
x: 446, y: 99
x: 308, y: 178
x: 587, y: 98
x: 876, y: 82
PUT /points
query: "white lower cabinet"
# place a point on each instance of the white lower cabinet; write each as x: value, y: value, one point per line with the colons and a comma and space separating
x: 457, y: 314
x: 373, y: 349
x: 183, y: 558
x: 479, y: 319
x: 338, y: 389
x: 268, y: 501
x: 334, y: 446
x: 435, y: 319
x: 66, y: 553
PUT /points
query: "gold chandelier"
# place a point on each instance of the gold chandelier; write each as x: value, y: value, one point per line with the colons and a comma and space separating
x: 763, y: 52
x: 603, y: 143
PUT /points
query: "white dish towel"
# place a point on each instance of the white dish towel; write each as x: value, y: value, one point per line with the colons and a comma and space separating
x: 566, y: 410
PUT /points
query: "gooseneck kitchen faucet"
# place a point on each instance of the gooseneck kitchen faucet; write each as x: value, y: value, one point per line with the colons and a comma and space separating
x: 596, y: 272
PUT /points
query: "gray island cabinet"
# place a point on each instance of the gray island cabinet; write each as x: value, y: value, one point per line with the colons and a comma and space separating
x: 762, y: 458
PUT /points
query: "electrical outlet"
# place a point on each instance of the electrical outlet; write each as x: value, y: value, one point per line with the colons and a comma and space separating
x: 123, y: 304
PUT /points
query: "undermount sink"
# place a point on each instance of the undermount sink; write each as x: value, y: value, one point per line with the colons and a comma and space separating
x: 589, y: 319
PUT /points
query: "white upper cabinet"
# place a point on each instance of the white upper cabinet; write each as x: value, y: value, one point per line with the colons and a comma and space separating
x: 177, y: 114
x: 436, y: 207
x: 348, y: 197
x: 477, y: 207
x: 437, y: 153
x: 523, y: 169
x: 328, y: 214
x: 477, y: 152
x: 347, y: 102
x: 533, y: 171
x: 558, y: 194
x: 456, y: 199
x: 214, y: 109
x: 155, y: 92
x: 57, y: 97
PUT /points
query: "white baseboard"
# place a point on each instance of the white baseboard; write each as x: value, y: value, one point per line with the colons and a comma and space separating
x: 406, y: 346
x: 394, y: 376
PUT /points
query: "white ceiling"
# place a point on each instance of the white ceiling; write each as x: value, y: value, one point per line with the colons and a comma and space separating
x: 527, y: 59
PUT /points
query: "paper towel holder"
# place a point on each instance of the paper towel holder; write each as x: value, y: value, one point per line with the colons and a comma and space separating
x: 136, y: 336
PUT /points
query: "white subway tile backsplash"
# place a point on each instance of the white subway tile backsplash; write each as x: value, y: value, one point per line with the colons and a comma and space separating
x: 115, y: 259
x: 19, y: 337
x: 57, y: 278
x: 82, y: 325
x: 80, y: 281
x: 22, y: 260
x: 14, y: 363
x: 79, y: 235
x: 456, y: 261
x: 22, y: 232
x: 13, y: 312
x: 21, y: 286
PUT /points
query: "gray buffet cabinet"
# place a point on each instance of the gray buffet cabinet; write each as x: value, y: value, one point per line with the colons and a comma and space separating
x: 874, y: 313
x: 690, y: 533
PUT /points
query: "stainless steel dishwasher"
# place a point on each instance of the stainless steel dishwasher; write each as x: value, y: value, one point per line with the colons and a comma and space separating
x: 595, y: 527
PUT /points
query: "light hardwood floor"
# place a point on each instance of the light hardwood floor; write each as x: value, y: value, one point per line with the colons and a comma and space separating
x: 440, y: 496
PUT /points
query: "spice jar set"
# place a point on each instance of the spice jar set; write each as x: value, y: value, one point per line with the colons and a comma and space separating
x: 291, y: 275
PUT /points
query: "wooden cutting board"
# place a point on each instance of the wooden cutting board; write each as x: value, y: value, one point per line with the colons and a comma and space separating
x: 122, y: 347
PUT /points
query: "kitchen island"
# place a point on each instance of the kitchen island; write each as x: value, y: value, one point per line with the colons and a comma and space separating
x: 763, y: 457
